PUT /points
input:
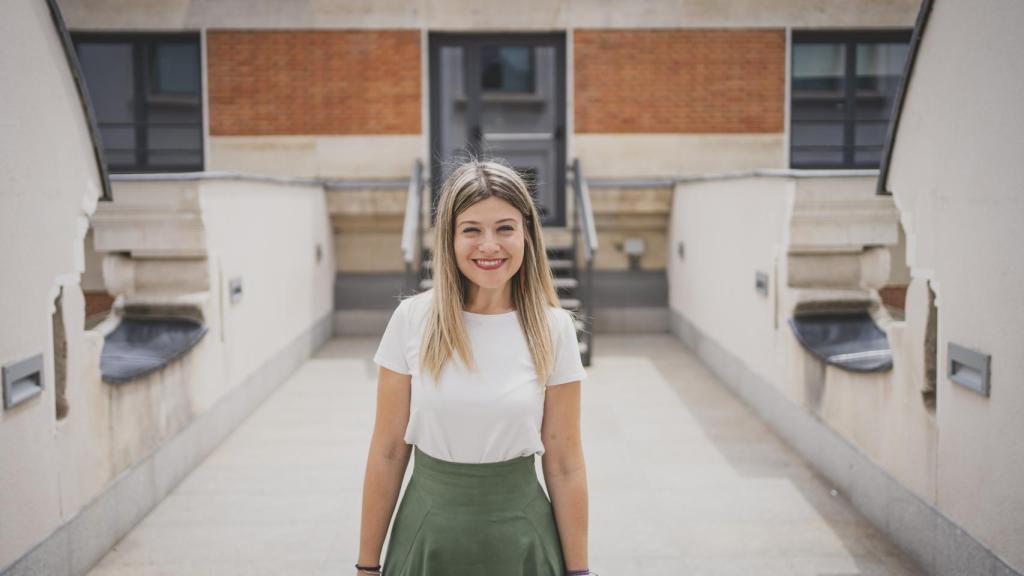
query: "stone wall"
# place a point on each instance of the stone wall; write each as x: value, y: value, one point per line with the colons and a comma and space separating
x: 49, y: 188
x: 957, y: 183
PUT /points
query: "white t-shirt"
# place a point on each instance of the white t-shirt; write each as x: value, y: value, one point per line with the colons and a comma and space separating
x: 490, y: 415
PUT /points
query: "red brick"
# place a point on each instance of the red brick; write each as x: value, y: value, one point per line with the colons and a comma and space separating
x: 683, y: 81
x: 894, y: 295
x: 330, y: 82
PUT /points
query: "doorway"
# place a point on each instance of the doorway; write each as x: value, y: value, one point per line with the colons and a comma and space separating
x: 501, y: 95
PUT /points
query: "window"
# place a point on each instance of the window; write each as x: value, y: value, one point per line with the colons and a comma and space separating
x: 147, y: 95
x: 507, y: 68
x: 843, y: 89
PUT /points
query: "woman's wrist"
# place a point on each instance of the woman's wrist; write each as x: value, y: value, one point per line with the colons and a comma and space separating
x: 368, y: 568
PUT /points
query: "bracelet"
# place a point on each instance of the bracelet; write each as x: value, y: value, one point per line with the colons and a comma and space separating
x: 369, y: 569
x: 584, y: 572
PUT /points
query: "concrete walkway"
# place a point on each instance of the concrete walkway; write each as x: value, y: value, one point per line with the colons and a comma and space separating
x: 684, y: 480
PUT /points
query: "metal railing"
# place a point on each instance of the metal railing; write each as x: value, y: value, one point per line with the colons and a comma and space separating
x: 411, y: 236
x: 583, y: 223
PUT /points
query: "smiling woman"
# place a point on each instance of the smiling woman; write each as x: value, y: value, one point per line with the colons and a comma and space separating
x: 480, y: 374
x: 489, y: 251
x: 486, y: 213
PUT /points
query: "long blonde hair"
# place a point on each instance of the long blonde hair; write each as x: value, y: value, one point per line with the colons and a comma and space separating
x: 533, y: 289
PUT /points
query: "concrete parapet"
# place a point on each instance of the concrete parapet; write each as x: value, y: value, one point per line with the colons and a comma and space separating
x: 253, y: 261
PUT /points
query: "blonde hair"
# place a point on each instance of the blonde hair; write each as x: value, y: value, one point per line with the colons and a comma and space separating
x: 533, y: 290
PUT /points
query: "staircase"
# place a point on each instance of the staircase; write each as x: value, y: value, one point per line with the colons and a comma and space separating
x: 567, y: 284
x: 565, y: 269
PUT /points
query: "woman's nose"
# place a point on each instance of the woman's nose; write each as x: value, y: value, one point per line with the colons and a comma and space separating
x: 488, y: 243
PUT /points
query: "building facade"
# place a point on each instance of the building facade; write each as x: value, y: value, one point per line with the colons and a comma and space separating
x: 355, y: 93
x: 260, y: 157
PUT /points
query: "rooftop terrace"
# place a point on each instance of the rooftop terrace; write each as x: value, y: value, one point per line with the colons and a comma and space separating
x: 683, y: 479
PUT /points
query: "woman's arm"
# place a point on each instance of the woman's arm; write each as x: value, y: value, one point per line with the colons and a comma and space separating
x: 385, y: 464
x: 565, y: 472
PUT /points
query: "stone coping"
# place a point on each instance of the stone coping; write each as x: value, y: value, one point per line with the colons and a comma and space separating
x: 299, y: 181
x: 638, y: 182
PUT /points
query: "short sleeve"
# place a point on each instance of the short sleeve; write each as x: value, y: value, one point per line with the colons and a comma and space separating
x: 391, y: 351
x: 568, y: 366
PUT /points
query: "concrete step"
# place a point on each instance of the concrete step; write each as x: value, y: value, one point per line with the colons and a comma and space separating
x: 566, y: 283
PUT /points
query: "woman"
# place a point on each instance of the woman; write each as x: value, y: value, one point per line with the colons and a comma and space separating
x: 476, y: 376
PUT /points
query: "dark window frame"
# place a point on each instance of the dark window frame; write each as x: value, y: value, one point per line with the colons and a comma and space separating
x: 851, y: 39
x: 141, y: 44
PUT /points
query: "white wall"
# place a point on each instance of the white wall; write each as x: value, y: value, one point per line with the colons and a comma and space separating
x: 668, y: 155
x: 49, y: 185
x: 957, y: 177
x: 266, y: 234
x: 43, y: 221
x: 730, y: 230
x: 346, y: 157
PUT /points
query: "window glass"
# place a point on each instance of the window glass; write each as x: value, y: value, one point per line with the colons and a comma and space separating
x: 843, y: 89
x: 172, y: 95
x: 109, y: 76
x: 160, y: 131
x: 879, y: 67
x: 174, y: 68
x: 819, y: 68
x: 819, y: 104
x: 507, y: 68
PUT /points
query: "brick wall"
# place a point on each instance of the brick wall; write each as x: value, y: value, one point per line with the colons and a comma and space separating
x: 696, y: 81
x: 97, y: 303
x: 314, y: 82
x: 894, y: 295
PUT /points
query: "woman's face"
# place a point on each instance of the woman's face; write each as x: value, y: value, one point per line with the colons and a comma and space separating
x: 489, y: 240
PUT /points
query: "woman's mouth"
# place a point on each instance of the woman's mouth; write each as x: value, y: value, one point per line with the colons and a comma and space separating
x: 490, y: 264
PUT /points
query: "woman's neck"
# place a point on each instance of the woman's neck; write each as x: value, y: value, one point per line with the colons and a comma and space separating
x: 489, y: 301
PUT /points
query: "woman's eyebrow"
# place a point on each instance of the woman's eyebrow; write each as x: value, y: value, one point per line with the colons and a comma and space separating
x: 498, y: 222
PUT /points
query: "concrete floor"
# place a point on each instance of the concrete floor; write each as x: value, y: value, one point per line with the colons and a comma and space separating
x: 683, y: 480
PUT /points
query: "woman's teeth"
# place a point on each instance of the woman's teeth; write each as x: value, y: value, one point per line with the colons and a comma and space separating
x: 489, y: 264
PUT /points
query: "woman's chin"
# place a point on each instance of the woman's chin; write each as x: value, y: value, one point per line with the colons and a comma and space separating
x: 489, y: 283
x: 485, y: 280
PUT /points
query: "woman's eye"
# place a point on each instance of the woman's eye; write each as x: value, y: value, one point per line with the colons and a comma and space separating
x: 506, y: 228
x: 468, y: 230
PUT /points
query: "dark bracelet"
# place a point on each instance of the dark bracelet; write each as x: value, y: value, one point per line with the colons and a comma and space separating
x: 368, y: 569
x: 584, y: 572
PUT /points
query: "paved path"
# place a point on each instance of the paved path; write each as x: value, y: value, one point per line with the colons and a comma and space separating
x: 684, y: 480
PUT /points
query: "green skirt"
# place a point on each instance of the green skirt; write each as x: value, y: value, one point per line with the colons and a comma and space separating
x: 459, y: 519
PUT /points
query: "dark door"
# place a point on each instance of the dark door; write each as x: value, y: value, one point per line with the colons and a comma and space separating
x: 501, y: 95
